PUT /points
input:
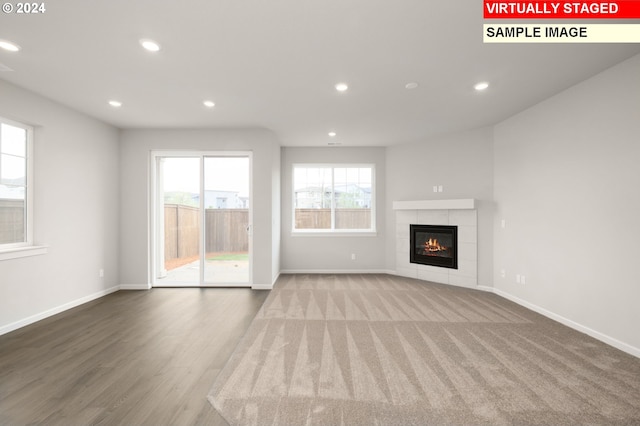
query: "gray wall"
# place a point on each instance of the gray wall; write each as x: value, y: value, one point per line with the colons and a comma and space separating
x: 76, y: 202
x: 276, y: 183
x: 463, y: 164
x: 332, y: 253
x: 135, y: 148
x: 567, y: 182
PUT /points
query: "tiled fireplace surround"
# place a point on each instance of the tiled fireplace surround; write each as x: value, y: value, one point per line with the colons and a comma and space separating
x: 461, y: 213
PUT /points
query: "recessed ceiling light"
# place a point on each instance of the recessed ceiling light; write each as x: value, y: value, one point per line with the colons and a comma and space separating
x: 341, y: 87
x: 411, y: 85
x: 332, y: 134
x: 481, y: 86
x: 115, y: 104
x: 209, y: 104
x: 150, y: 45
x: 7, y: 45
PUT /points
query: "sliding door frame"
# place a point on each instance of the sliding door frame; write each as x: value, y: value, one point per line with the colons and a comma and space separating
x: 156, y: 217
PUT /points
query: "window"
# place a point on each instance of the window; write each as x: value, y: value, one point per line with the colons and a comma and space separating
x: 333, y: 198
x: 15, y: 185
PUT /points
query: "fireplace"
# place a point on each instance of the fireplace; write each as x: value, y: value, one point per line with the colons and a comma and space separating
x: 435, y: 245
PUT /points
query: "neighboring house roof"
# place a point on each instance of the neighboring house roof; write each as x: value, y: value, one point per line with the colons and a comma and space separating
x: 11, y: 193
x: 338, y: 189
x: 312, y: 189
x: 352, y: 187
x: 211, y: 196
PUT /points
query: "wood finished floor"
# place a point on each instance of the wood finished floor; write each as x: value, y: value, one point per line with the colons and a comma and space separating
x: 130, y: 358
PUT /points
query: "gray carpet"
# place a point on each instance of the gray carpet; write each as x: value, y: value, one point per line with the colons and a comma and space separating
x: 386, y: 350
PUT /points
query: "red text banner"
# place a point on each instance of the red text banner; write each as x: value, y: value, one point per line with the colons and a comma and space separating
x: 622, y: 9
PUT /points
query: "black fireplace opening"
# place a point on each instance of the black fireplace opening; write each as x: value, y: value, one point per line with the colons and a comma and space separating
x: 435, y: 245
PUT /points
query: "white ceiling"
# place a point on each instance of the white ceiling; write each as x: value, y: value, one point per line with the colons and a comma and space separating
x: 274, y: 64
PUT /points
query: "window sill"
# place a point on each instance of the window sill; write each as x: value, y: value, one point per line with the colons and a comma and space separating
x: 346, y: 233
x: 17, y: 252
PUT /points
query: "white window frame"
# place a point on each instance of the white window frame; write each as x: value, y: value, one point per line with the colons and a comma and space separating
x: 26, y: 247
x: 370, y: 232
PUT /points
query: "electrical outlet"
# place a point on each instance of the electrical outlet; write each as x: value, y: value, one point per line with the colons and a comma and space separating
x: 503, y: 273
x: 518, y: 279
x: 101, y: 273
x: 522, y: 280
x: 435, y: 188
x: 353, y: 256
x: 503, y: 223
x: 439, y: 188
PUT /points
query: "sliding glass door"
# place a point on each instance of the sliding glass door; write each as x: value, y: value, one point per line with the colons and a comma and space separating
x: 202, y: 219
x: 227, y: 226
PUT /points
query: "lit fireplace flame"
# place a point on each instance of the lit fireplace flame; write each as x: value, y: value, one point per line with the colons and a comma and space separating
x: 433, y: 245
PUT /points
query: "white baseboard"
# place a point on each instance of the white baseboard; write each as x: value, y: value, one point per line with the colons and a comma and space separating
x: 135, y: 286
x: 565, y: 321
x: 261, y: 286
x: 334, y: 271
x: 266, y: 286
x: 53, y: 311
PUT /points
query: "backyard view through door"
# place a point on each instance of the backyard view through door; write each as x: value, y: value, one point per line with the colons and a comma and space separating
x: 202, y: 221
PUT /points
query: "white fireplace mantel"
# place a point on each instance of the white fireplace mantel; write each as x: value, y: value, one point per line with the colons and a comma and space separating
x: 459, y: 204
x: 461, y: 213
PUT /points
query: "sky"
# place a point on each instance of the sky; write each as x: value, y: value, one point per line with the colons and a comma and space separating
x: 304, y: 177
x: 13, y: 165
x: 221, y: 173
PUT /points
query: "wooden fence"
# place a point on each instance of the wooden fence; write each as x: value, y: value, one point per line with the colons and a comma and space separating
x: 181, y: 231
x: 11, y: 221
x: 321, y: 218
x: 226, y: 231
